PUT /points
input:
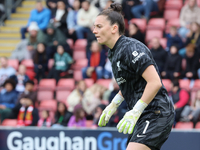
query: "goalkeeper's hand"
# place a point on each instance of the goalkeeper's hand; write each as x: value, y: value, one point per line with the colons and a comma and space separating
x: 127, y: 123
x: 110, y: 110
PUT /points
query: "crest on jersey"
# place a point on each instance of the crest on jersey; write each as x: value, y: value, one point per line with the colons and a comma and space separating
x: 135, y: 53
x: 118, y: 66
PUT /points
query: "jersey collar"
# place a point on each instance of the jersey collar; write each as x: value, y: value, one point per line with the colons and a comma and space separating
x: 117, y: 43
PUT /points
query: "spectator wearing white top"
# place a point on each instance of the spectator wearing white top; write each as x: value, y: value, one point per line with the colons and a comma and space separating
x: 5, y: 71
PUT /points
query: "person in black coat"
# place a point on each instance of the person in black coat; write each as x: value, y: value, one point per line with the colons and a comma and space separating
x: 192, y: 63
x: 159, y: 54
x: 172, y: 68
x: 62, y: 116
x: 134, y: 32
x: 40, y: 61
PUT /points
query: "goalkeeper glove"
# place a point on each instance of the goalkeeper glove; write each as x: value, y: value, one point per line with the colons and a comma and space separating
x: 127, y: 123
x: 110, y: 110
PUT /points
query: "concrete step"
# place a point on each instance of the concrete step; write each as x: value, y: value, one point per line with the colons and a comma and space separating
x: 20, y: 16
x: 7, y: 48
x: 10, y: 35
x: 23, y: 9
x: 9, y: 29
x: 5, y: 54
x: 9, y: 42
x: 31, y: 3
x: 16, y: 23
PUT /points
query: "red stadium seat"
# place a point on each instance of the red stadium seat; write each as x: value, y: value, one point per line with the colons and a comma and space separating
x: 185, y: 84
x: 79, y: 64
x: 79, y: 55
x: 61, y: 95
x: 151, y: 33
x: 28, y: 63
x: 47, y: 84
x: 9, y: 122
x: 174, y: 4
x: 141, y: 23
x: 197, y: 125
x: 89, y: 82
x: 30, y: 74
x: 50, y: 63
x: 156, y: 23
x: 71, y: 43
x: 104, y: 82
x: 196, y: 84
x: 172, y: 22
x: 167, y: 84
x: 193, y: 94
x: 44, y: 95
x: 171, y: 14
x: 13, y: 63
x: 184, y: 125
x: 80, y: 45
x: 77, y: 75
x: 66, y: 84
x: 50, y: 105
x: 163, y: 42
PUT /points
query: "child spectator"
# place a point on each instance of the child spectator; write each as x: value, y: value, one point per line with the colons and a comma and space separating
x: 159, y: 54
x: 28, y: 114
x: 192, y: 63
x: 5, y: 70
x: 8, y: 98
x: 173, y: 38
x: 172, y: 67
x: 78, y: 119
x: 76, y: 95
x: 62, y: 62
x: 20, y: 78
x: 134, y: 32
x: 45, y: 120
x: 96, y: 61
x: 62, y: 116
x: 98, y: 111
x: 40, y: 61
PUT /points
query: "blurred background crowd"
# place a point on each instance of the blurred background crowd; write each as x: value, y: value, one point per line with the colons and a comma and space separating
x: 58, y: 75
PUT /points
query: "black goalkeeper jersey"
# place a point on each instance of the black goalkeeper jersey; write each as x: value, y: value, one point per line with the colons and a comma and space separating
x: 129, y: 59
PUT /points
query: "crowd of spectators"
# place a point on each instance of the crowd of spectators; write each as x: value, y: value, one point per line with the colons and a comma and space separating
x: 46, y: 37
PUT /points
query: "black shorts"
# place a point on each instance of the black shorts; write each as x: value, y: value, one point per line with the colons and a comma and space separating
x: 152, y: 129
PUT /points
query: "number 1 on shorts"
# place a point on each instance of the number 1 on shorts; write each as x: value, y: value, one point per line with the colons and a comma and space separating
x: 145, y: 129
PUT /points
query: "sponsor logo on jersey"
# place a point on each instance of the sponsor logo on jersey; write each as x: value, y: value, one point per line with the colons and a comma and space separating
x: 118, y: 66
x: 135, y: 53
x: 120, y: 80
x: 138, y: 57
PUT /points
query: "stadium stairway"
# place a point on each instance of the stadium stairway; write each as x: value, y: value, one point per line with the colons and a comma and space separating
x: 10, y: 33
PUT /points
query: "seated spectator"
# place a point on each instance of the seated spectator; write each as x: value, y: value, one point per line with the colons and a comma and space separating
x: 92, y: 98
x: 28, y: 115
x: 53, y: 38
x: 45, y: 120
x: 104, y: 4
x: 85, y: 18
x: 146, y: 7
x: 40, y: 15
x: 72, y: 20
x: 29, y: 92
x: 108, y: 70
x: 5, y: 70
x: 62, y: 116
x: 96, y: 61
x: 189, y: 13
x: 78, y: 119
x: 180, y: 98
x: 76, y: 95
x: 98, y: 111
x: 90, y: 38
x: 134, y: 32
x: 59, y: 21
x: 127, y: 5
x: 62, y: 62
x: 20, y: 78
x: 8, y: 98
x: 173, y: 38
x: 40, y: 61
x: 159, y: 54
x: 192, y: 63
x: 172, y: 66
x: 193, y: 37
x: 26, y: 48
